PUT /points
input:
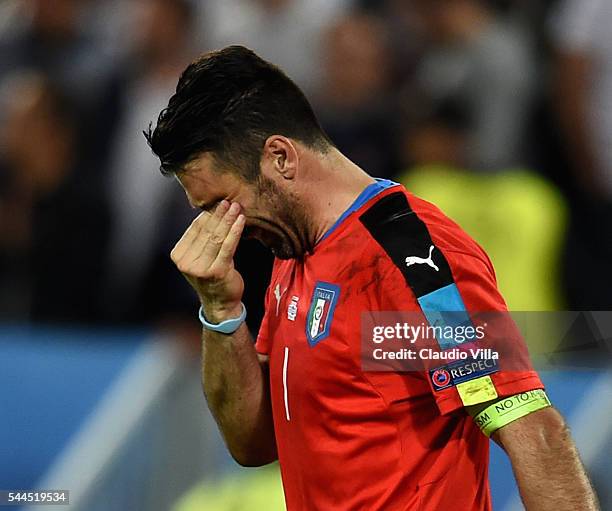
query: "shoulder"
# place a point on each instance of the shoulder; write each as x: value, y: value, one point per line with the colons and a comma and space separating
x: 427, y: 253
x: 407, y: 227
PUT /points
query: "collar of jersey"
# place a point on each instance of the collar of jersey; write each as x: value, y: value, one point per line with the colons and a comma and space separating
x: 368, y: 193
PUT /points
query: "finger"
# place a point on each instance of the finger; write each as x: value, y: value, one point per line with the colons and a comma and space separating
x: 228, y: 248
x: 206, y: 230
x: 217, y: 237
x: 189, y: 235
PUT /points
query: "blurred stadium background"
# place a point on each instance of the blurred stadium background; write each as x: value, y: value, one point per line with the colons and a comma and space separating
x: 498, y: 111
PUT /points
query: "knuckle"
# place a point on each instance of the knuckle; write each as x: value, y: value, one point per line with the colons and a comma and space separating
x: 216, y: 274
x: 202, y: 218
x: 195, y: 227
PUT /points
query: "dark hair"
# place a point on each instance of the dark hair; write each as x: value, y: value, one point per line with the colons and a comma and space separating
x: 228, y: 102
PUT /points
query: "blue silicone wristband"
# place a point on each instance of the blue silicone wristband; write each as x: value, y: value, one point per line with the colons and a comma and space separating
x: 229, y: 326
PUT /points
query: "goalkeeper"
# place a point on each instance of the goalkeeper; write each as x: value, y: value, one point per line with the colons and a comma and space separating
x: 244, y: 143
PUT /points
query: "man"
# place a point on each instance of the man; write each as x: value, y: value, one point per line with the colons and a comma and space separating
x: 246, y: 147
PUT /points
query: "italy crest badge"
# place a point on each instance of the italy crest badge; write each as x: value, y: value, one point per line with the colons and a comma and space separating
x: 321, y: 311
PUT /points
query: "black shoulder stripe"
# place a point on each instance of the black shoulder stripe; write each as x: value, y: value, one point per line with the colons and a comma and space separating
x: 406, y: 240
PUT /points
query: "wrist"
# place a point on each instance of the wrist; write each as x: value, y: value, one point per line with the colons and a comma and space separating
x: 216, y: 313
x: 227, y: 326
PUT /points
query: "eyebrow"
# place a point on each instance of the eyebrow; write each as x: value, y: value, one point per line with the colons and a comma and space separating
x: 192, y: 204
x: 195, y: 205
x: 206, y: 207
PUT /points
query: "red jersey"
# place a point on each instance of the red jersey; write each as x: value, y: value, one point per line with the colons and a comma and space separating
x: 349, y: 439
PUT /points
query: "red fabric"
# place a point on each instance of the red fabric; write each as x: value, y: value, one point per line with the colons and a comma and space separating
x: 360, y: 440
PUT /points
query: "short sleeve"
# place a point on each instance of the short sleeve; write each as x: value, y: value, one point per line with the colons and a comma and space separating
x: 262, y: 344
x: 475, y: 291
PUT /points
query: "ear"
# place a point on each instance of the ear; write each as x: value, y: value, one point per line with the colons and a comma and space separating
x: 279, y: 158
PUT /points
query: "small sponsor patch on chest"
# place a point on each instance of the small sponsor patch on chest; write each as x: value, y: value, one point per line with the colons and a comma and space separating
x: 292, y: 308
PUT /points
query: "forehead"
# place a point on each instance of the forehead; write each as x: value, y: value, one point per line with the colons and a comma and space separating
x: 204, y: 184
x: 203, y: 162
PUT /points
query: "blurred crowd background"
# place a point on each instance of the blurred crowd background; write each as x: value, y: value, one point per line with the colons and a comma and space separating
x: 450, y: 97
x: 498, y: 111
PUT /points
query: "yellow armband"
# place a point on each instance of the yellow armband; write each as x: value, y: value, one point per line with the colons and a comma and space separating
x: 509, y: 409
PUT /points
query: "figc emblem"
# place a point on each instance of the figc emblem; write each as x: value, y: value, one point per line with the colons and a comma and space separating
x: 321, y: 311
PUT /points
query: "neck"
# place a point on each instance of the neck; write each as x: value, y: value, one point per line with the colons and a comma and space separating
x: 335, y: 182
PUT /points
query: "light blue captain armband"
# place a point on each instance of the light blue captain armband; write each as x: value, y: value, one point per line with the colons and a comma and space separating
x: 229, y: 326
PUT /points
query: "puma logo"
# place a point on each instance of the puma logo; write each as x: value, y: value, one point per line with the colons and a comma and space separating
x: 278, y: 294
x: 410, y: 260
